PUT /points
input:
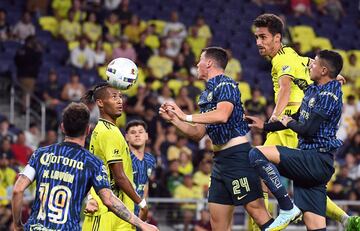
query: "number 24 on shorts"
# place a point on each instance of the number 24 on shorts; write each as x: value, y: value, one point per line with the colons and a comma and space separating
x: 239, y: 185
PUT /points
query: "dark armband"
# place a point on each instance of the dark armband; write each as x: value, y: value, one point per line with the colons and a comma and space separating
x: 274, y: 126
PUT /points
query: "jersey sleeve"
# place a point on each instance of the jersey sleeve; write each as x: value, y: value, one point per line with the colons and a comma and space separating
x: 227, y: 91
x: 284, y: 66
x: 114, y: 146
x: 327, y: 103
x: 33, y: 161
x: 99, y: 176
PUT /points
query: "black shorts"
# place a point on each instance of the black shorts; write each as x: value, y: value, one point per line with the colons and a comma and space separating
x: 311, y: 171
x: 233, y: 180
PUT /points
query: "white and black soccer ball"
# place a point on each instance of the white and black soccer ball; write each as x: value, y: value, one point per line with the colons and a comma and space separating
x: 122, y: 73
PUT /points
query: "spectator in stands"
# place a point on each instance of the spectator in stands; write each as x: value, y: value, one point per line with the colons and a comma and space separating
x: 5, y: 28
x: 205, y: 153
x: 143, y: 51
x: 159, y: 64
x: 166, y: 94
x: 91, y: 28
x: 7, y: 180
x: 204, y: 223
x: 193, y: 91
x: 181, y: 72
x: 187, y: 190
x: 170, y: 139
x: 124, y: 13
x: 134, y: 29
x: 5, y: 148
x: 111, y: 5
x: 175, y: 29
x: 151, y: 38
x: 188, y: 55
x: 69, y: 28
x: 354, y: 146
x: 100, y: 54
x: 202, y: 176
x: 28, y: 60
x: 171, y: 44
x: 355, y: 196
x: 73, y: 90
x: 196, y: 42
x: 332, y: 7
x: 203, y: 29
x: 301, y: 7
x: 21, y: 152
x: 342, y: 185
x: 83, y: 57
x: 256, y: 105
x: 32, y: 136
x: 124, y: 50
x: 353, y: 165
x: 4, y: 130
x: 244, y: 88
x: 24, y: 28
x: 184, y: 102
x: 233, y: 68
x: 112, y: 28
x: 174, y: 150
x: 352, y: 72
x: 78, y: 8
x: 173, y: 177
x: 61, y: 8
x: 185, y: 165
x: 50, y: 138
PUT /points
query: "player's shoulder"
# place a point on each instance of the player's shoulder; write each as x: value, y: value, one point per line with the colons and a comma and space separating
x: 333, y: 89
x: 106, y: 128
x: 149, y: 158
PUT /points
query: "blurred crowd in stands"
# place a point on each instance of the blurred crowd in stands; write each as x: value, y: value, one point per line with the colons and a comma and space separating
x: 60, y: 48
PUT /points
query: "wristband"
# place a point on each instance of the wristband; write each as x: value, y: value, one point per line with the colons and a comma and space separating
x: 142, y: 204
x: 188, y: 118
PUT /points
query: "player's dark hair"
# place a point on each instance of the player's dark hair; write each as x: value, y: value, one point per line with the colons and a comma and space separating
x: 98, y: 92
x: 134, y: 123
x: 218, y: 54
x: 75, y: 119
x: 274, y: 23
x: 332, y: 61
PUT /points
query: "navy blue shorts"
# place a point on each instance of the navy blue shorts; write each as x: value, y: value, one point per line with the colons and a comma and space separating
x: 311, y: 171
x: 233, y: 180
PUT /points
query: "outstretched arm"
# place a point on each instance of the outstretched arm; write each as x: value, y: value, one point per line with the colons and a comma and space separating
x: 193, y: 130
x: 17, y: 199
x: 119, y: 209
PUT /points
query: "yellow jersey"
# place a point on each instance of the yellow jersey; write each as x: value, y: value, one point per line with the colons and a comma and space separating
x: 288, y: 62
x: 110, y: 146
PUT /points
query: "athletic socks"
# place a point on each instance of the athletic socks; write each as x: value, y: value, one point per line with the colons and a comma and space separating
x: 269, y: 173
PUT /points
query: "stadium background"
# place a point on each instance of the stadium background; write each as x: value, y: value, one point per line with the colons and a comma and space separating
x: 41, y: 47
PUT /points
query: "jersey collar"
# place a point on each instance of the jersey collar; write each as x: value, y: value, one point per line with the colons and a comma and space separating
x: 107, y: 121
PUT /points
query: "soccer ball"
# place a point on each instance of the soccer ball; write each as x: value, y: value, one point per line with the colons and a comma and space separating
x: 122, y: 73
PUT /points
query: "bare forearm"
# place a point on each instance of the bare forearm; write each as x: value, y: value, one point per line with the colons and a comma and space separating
x: 16, y: 203
x: 193, y: 131
x: 282, y: 101
x: 211, y: 117
x: 126, y: 186
x: 118, y: 208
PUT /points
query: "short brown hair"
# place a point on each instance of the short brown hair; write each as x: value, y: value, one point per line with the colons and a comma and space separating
x: 271, y: 21
x: 218, y: 54
x: 75, y: 119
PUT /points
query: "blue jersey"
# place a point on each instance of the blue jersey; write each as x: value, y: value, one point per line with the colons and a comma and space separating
x: 64, y: 174
x: 326, y: 100
x: 218, y: 89
x: 142, y: 170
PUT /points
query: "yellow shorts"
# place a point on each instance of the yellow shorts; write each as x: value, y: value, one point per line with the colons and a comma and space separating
x: 287, y: 138
x: 106, y: 222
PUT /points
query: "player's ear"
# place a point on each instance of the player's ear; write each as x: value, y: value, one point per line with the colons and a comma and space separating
x: 87, y: 132
x: 278, y: 37
x: 100, y: 103
x: 62, y: 128
x: 209, y: 63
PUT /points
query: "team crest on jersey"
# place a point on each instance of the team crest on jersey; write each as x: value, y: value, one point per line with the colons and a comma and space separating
x: 210, y: 96
x: 285, y: 69
x: 99, y: 178
x: 311, y: 102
